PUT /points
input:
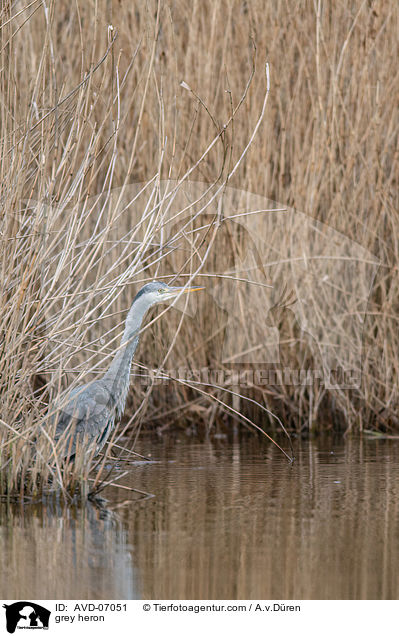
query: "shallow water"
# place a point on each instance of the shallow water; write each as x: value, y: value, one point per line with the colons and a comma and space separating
x: 229, y: 520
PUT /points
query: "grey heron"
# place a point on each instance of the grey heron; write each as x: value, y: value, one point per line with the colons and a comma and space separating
x: 87, y: 415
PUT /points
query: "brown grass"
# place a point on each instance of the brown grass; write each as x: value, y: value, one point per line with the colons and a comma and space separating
x: 90, y: 110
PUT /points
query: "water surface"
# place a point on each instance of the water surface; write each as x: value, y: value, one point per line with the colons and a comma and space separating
x: 229, y: 520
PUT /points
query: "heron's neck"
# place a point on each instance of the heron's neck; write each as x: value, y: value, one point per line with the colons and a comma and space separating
x: 117, y: 377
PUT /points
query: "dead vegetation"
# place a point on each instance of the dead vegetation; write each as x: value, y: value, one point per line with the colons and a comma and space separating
x: 124, y: 130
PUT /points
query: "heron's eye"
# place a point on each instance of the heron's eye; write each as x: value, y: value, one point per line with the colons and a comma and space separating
x: 161, y: 291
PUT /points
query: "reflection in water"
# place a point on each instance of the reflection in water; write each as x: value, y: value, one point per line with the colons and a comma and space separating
x: 229, y: 520
x: 55, y: 553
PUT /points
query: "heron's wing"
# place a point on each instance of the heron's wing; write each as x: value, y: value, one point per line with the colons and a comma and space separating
x: 84, y: 416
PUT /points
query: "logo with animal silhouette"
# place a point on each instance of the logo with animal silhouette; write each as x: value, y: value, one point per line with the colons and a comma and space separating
x: 26, y: 615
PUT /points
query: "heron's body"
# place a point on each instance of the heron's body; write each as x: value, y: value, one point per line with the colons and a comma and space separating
x: 86, y: 416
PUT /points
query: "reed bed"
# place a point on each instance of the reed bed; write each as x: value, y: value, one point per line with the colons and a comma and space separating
x: 131, y: 137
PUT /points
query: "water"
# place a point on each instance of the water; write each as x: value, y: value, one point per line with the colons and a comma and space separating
x: 229, y: 520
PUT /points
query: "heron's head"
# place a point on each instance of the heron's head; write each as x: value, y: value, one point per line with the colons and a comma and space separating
x: 159, y: 292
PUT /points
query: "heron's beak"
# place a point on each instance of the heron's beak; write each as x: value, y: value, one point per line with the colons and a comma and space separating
x: 191, y: 289
x: 175, y: 291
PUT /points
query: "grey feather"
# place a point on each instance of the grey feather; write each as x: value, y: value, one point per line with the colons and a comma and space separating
x: 86, y: 415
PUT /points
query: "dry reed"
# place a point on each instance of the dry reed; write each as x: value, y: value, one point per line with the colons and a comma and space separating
x: 100, y: 97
